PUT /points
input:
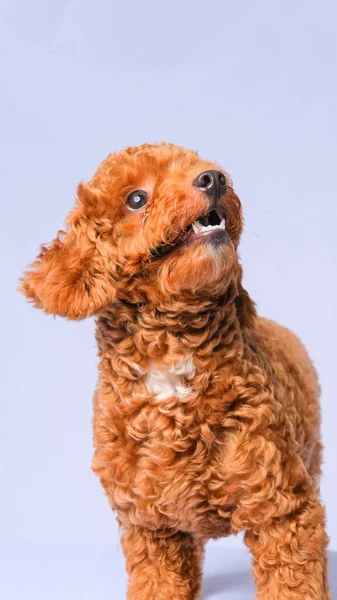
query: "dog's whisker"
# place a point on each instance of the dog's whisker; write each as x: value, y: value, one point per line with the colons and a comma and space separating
x: 252, y: 230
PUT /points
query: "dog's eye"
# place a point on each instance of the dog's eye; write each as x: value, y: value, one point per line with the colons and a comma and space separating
x: 136, y: 199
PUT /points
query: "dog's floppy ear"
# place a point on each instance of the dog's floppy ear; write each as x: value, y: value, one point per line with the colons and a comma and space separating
x: 73, y: 275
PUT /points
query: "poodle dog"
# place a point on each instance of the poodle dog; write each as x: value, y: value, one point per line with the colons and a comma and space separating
x: 206, y: 416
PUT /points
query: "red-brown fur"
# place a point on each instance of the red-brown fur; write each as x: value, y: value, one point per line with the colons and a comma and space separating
x: 241, y: 451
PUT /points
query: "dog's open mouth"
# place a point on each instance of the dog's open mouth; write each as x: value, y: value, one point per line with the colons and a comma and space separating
x: 205, y: 225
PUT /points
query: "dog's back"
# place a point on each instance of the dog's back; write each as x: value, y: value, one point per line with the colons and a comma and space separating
x: 296, y: 383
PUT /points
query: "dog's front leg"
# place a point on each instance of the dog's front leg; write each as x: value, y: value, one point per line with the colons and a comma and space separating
x: 162, y: 566
x: 290, y: 559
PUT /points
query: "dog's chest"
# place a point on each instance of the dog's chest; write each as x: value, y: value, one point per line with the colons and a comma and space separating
x: 174, y: 452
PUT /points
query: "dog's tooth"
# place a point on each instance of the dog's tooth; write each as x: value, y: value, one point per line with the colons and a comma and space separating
x: 197, y: 226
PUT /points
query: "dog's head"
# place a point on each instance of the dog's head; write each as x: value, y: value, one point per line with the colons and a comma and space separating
x: 153, y: 222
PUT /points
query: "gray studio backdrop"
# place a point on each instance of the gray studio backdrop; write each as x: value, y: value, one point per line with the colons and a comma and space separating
x: 251, y: 84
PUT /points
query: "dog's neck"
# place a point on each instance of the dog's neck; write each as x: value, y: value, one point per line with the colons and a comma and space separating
x: 178, y: 327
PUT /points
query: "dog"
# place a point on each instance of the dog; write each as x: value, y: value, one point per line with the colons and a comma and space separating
x: 206, y: 416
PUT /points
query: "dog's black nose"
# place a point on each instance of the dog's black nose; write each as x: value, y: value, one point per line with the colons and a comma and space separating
x: 212, y: 182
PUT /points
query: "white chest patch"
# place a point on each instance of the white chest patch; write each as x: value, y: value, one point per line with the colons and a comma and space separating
x: 167, y: 381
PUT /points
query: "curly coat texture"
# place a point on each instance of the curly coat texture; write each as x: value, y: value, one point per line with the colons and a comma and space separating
x: 206, y: 416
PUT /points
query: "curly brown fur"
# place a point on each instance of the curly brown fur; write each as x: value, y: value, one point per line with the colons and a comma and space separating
x: 206, y: 416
